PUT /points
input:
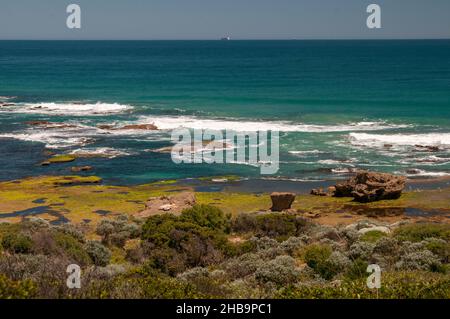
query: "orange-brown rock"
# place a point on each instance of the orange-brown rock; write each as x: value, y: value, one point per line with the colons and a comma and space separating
x: 281, y: 201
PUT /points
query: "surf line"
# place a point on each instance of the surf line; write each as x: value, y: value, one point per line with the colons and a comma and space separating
x: 260, y: 148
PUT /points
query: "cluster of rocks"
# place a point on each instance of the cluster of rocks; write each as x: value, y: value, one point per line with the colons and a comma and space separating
x: 371, y: 186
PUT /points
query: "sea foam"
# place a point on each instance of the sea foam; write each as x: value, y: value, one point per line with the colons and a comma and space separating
x: 75, y: 109
x: 240, y: 125
x: 377, y: 140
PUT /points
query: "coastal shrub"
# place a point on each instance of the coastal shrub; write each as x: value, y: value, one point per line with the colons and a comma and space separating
x: 22, y: 289
x: 422, y: 260
x: 243, y: 266
x: 99, y: 254
x: 372, y: 236
x: 339, y: 261
x: 206, y: 283
x: 17, y: 243
x: 117, y: 232
x: 361, y: 250
x: 357, y: 270
x: 207, y: 216
x: 317, y: 256
x: 292, y: 245
x: 264, y: 243
x: 387, y: 246
x: 72, y: 231
x: 72, y: 248
x: 438, y: 247
x: 271, y: 225
x: 195, y: 244
x: 396, y: 285
x: 420, y: 231
x: 281, y: 271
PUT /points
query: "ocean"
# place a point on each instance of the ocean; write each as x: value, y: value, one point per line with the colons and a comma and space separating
x: 339, y: 105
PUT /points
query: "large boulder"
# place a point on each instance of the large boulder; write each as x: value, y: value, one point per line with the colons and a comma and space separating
x: 371, y: 186
x: 281, y: 201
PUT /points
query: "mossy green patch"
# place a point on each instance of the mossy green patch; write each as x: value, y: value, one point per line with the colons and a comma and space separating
x: 61, y: 159
x: 373, y: 236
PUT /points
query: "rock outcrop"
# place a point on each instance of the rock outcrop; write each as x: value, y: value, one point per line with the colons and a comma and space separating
x: 77, y: 169
x: 281, y: 201
x: 371, y: 186
x: 173, y: 204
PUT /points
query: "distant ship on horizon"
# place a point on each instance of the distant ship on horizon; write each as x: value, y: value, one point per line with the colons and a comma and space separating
x: 227, y: 38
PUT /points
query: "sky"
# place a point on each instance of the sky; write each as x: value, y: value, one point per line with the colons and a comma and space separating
x: 213, y: 19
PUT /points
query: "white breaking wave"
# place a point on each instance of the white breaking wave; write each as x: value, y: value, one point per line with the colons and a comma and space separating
x: 50, y: 141
x: 67, y: 135
x: 336, y: 162
x: 100, y: 152
x: 76, y: 109
x: 167, y: 123
x: 423, y: 173
x: 377, y: 140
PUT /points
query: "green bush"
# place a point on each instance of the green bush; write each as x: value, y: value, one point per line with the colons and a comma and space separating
x: 357, y: 270
x: 420, y: 231
x: 17, y: 243
x: 280, y: 271
x: 372, y: 236
x: 317, y: 257
x: 207, y: 216
x: 118, y: 231
x: 440, y: 248
x: 396, y: 285
x: 99, y: 254
x: 72, y: 248
x: 278, y: 225
x: 10, y: 289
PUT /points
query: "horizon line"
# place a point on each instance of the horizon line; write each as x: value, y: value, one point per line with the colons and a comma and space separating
x: 240, y: 39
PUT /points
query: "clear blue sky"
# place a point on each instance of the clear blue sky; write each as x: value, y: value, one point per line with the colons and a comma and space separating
x: 212, y: 19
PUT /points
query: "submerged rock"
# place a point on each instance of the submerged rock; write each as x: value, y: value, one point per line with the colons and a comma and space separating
x: 281, y: 201
x: 371, y: 186
x: 77, y: 169
x: 427, y: 148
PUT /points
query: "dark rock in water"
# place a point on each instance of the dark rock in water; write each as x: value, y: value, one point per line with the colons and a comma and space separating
x: 150, y: 127
x: 413, y: 171
x: 281, y: 201
x: 371, y: 186
x: 105, y: 127
x: 318, y: 192
x: 37, y: 123
x: 388, y: 145
x: 77, y: 169
x: 427, y: 148
x: 7, y: 104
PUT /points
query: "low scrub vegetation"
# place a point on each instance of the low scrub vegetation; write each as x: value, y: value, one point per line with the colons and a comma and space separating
x: 204, y: 253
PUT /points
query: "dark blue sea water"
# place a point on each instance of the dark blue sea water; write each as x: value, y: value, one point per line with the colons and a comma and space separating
x: 340, y: 105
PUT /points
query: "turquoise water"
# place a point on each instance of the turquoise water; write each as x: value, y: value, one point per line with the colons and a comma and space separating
x: 340, y: 105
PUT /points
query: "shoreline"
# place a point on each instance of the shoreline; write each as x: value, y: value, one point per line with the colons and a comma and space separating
x: 86, y: 200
